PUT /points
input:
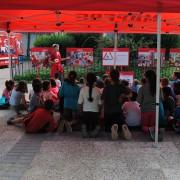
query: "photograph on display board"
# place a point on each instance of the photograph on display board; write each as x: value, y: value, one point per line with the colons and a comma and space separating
x: 174, y: 57
x: 16, y: 47
x: 118, y: 58
x: 79, y: 57
x: 127, y: 75
x: 147, y: 57
x: 40, y: 56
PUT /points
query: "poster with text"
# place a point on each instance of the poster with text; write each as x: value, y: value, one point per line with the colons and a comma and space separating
x: 127, y: 75
x: 174, y: 57
x: 40, y: 56
x: 79, y: 57
x: 147, y: 57
x: 118, y: 57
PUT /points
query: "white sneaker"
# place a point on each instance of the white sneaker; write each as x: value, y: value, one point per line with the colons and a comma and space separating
x: 114, y: 132
x: 126, y: 133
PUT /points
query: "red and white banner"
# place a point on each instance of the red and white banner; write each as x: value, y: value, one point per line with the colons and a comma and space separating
x: 127, y: 75
x: 118, y: 57
x: 41, y: 55
x: 15, y: 47
x: 174, y: 57
x: 79, y: 57
x: 147, y: 57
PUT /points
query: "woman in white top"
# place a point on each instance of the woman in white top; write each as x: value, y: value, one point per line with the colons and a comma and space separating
x: 90, y: 99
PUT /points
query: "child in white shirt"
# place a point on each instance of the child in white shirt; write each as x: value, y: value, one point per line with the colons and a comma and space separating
x: 90, y: 99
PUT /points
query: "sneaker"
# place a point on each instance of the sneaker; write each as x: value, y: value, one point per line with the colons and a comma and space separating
x: 61, y: 126
x: 68, y: 126
x: 84, y: 131
x: 95, y: 133
x: 114, y: 132
x: 126, y: 133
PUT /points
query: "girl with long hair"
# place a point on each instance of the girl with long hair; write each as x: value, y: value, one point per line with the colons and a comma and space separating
x: 147, y: 101
x: 90, y: 99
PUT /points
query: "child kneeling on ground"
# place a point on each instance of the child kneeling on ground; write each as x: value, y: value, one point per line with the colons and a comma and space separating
x: 132, y: 111
x: 39, y: 121
x: 90, y: 99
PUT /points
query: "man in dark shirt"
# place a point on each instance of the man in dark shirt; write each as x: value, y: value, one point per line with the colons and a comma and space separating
x: 111, y: 98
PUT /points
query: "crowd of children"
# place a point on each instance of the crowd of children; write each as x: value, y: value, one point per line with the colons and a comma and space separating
x: 95, y: 104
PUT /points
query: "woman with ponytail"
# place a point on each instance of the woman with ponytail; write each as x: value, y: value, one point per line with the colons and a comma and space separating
x: 147, y: 101
x: 90, y: 99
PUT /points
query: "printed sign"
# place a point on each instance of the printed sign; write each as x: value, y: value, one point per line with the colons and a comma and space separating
x: 41, y: 55
x: 118, y: 57
x: 147, y: 57
x: 175, y: 57
x: 79, y: 57
x: 128, y: 76
x: 16, y: 48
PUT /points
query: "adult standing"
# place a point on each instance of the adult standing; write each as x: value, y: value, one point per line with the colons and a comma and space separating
x: 56, y: 66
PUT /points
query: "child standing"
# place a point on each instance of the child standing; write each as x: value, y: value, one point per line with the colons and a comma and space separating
x: 90, y: 99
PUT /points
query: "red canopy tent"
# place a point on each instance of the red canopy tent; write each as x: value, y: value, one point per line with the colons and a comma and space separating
x: 129, y: 16
x: 87, y: 21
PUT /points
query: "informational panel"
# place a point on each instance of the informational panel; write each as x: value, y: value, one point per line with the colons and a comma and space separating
x: 147, y: 57
x: 16, y: 48
x: 118, y: 57
x: 174, y: 57
x: 41, y: 56
x: 127, y: 75
x: 79, y: 57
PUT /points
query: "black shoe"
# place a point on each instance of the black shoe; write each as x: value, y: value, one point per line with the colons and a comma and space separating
x: 9, y: 122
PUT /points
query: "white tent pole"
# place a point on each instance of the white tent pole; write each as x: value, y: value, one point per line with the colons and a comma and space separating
x: 158, y: 75
x: 115, y: 47
x: 9, y: 56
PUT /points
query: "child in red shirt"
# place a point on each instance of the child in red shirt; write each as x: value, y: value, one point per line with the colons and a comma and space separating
x: 41, y: 120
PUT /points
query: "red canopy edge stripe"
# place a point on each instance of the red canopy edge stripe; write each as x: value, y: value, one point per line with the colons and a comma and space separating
x: 79, y: 49
x: 41, y: 49
x: 175, y: 50
x: 92, y: 5
x: 150, y: 49
x: 118, y: 49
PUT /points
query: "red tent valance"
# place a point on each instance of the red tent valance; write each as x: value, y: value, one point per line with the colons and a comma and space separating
x: 171, y: 6
x: 87, y: 21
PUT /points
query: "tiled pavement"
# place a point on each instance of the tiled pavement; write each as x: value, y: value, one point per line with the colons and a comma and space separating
x: 69, y: 157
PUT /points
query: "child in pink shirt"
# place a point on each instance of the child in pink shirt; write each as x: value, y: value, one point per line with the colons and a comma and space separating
x: 47, y: 93
x: 7, y: 91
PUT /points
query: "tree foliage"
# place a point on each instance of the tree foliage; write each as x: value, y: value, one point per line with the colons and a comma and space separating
x: 64, y: 41
x: 98, y: 41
